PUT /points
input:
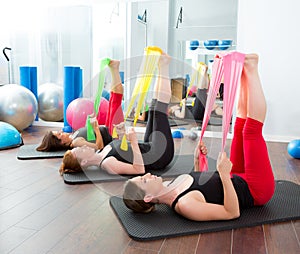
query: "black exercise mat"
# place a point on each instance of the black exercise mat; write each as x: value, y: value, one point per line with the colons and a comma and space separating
x: 181, y: 164
x: 213, y: 121
x: 172, y: 122
x: 164, y: 222
x: 28, y: 152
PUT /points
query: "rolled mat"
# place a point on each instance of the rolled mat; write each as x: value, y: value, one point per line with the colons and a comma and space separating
x: 163, y: 222
x: 72, y: 90
x: 28, y: 79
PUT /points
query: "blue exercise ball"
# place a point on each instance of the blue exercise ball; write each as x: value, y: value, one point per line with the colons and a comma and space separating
x: 224, y: 44
x: 210, y: 44
x: 177, y: 134
x: 18, y: 106
x: 293, y: 148
x: 194, y: 44
x: 9, y: 136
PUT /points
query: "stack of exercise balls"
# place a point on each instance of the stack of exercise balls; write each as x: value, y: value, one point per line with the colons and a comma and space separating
x: 18, y: 106
x: 50, y: 102
x: 211, y: 44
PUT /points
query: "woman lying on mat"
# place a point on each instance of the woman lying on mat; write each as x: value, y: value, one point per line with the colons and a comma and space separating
x: 155, y: 152
x: 196, y: 112
x: 58, y: 140
x: 245, y: 180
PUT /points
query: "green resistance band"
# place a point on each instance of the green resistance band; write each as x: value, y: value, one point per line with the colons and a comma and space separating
x: 90, y: 132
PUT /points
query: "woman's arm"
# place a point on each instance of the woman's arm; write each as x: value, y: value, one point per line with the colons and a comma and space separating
x: 80, y: 141
x: 193, y: 205
x: 113, y: 166
x: 138, y: 162
x: 99, y: 139
x: 231, y: 202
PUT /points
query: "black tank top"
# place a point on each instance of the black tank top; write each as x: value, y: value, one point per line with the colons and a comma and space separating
x: 125, y: 156
x: 82, y: 132
x: 210, y: 185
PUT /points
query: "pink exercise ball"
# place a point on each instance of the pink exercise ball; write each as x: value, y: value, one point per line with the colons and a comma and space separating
x: 77, y: 112
x: 103, y: 109
x: 192, y: 90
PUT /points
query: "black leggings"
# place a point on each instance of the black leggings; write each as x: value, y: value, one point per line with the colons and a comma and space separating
x: 158, y: 147
x: 196, y: 112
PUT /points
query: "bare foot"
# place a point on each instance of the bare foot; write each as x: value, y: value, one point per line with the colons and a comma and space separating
x: 251, y: 62
x: 204, y: 80
x: 114, y: 64
x: 164, y: 59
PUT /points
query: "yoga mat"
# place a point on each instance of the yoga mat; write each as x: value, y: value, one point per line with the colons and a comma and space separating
x: 165, y: 223
x: 28, y: 79
x: 28, y: 152
x: 213, y: 121
x: 72, y: 90
x: 181, y: 164
x: 172, y: 122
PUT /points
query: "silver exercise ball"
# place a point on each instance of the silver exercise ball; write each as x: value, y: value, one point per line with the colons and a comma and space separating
x: 18, y: 106
x: 50, y: 102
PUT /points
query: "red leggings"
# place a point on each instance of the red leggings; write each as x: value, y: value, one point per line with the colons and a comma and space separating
x: 250, y: 159
x: 115, y: 112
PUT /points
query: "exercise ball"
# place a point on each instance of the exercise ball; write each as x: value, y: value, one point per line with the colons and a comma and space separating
x: 177, y: 134
x: 9, y: 136
x: 50, y: 102
x: 194, y: 44
x: 18, y: 106
x: 224, y: 44
x: 210, y: 44
x: 77, y: 112
x: 293, y: 148
x: 193, y: 135
x: 102, y: 113
x: 193, y: 90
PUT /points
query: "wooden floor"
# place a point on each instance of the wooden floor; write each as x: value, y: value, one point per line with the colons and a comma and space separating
x: 39, y: 213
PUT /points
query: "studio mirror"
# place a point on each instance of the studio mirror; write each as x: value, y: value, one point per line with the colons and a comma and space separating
x: 54, y: 35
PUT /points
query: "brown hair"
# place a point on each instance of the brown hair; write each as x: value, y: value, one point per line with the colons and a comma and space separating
x: 133, y: 198
x: 69, y: 164
x: 51, y: 143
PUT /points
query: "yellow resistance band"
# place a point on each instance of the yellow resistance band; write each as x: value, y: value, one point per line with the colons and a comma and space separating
x: 143, y: 82
x: 196, y: 74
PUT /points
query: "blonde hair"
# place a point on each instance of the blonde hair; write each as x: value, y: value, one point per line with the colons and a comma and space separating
x: 69, y: 164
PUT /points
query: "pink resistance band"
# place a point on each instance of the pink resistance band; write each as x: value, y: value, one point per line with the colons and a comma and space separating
x: 230, y: 66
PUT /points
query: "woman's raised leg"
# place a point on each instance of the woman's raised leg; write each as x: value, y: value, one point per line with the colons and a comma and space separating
x: 258, y: 170
x: 115, y: 113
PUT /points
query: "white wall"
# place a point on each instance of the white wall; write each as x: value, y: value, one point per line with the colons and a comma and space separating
x: 271, y: 29
x: 157, y: 35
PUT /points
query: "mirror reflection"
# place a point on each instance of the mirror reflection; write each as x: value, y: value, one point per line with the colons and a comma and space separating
x: 52, y: 36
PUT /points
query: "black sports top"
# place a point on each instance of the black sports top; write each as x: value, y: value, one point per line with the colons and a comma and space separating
x: 210, y: 185
x: 150, y: 159
x: 82, y: 132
